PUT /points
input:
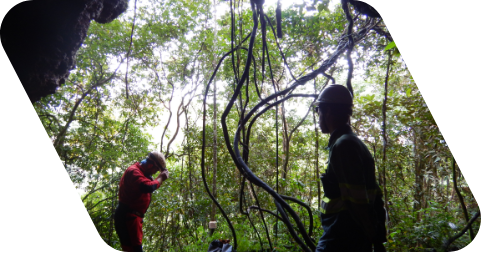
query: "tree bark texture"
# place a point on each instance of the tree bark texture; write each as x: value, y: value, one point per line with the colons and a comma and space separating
x: 385, y: 138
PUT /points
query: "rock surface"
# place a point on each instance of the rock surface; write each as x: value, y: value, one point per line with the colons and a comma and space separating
x: 41, y: 38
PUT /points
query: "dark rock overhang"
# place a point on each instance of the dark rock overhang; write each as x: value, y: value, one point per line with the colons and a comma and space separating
x: 42, y: 37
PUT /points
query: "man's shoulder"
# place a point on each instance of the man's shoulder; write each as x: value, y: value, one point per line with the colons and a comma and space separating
x: 349, y: 143
x: 133, y: 168
x: 348, y: 139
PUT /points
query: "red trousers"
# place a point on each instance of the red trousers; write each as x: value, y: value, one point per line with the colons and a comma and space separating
x: 129, y: 229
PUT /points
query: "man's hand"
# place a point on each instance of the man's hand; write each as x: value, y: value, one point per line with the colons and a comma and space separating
x: 164, y: 175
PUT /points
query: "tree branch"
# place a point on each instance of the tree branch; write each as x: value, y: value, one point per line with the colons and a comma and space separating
x: 454, y: 238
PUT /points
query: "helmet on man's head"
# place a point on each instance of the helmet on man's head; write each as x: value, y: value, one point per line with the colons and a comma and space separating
x: 157, y: 158
x: 334, y: 94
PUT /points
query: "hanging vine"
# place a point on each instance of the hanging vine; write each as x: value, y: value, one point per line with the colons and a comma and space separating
x: 285, y: 213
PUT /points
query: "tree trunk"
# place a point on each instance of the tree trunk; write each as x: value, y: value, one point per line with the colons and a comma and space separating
x: 384, y: 135
x: 285, y: 142
x: 189, y: 156
x: 418, y: 186
x: 447, y: 188
x: 318, y: 176
x: 419, y: 165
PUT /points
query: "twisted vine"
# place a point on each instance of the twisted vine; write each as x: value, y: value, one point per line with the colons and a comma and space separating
x: 346, y: 43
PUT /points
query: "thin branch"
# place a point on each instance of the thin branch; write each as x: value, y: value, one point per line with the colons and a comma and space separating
x: 93, y: 191
x: 129, y: 52
x: 461, y: 200
x: 454, y: 238
x: 92, y: 207
x: 264, y: 210
x: 48, y: 115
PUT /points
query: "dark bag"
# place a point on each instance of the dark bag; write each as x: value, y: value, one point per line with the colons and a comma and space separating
x: 219, y: 246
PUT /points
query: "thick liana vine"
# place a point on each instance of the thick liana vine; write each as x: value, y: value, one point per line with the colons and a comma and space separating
x: 241, y: 137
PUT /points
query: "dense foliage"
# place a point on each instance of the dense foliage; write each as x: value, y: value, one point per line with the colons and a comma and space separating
x: 139, y: 86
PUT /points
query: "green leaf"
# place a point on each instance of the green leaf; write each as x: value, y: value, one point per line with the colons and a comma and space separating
x: 321, y: 7
x: 390, y: 46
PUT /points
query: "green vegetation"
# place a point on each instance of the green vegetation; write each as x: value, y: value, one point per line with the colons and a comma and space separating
x: 125, y: 99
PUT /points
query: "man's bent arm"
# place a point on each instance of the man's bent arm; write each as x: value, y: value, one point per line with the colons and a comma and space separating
x: 151, y: 186
x: 146, y: 185
x: 147, y: 188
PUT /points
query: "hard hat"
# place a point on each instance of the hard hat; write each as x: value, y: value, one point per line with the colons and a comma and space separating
x: 334, y: 94
x: 158, y: 159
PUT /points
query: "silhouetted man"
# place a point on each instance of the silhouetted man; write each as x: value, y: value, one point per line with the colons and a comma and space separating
x: 352, y: 210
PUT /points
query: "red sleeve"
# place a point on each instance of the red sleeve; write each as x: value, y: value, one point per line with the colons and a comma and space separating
x: 145, y: 184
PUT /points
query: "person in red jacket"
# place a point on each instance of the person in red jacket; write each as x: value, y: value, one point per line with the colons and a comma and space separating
x: 135, y: 190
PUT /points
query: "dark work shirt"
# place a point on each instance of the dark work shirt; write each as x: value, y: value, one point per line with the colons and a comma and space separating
x: 349, y: 178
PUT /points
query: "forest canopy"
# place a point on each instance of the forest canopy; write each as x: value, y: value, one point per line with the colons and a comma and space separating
x: 140, y: 83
